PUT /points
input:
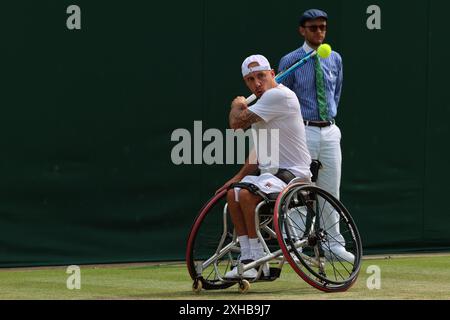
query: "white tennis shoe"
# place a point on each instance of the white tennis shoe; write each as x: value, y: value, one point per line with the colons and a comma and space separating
x: 233, y: 274
x: 249, y: 274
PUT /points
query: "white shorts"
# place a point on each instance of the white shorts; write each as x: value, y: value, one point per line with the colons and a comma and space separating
x: 266, y: 182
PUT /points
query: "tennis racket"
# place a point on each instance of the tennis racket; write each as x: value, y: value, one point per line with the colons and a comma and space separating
x: 283, y: 74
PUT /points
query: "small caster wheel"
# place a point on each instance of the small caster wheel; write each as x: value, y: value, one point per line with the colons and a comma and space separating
x: 197, y: 286
x: 244, y: 285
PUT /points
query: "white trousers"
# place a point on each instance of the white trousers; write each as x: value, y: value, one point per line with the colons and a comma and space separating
x: 324, y: 144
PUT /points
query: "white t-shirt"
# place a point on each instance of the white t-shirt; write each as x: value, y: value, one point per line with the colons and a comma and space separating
x: 280, y: 139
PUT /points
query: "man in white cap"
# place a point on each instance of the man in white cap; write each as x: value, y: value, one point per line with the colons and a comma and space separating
x: 277, y: 126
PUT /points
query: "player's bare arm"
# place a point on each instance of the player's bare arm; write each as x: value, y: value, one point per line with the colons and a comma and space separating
x: 240, y: 117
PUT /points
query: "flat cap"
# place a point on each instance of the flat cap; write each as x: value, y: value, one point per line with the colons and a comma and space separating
x: 312, y: 14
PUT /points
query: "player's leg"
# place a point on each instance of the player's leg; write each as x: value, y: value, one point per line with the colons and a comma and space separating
x: 236, y: 214
x: 238, y: 219
x: 244, y: 214
x: 248, y: 202
x: 245, y: 228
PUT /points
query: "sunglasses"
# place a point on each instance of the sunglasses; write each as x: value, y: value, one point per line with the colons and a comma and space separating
x: 313, y: 28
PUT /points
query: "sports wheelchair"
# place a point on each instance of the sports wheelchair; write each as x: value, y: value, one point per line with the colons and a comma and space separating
x: 293, y: 228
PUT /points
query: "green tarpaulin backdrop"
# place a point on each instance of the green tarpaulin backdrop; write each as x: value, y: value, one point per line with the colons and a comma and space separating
x: 86, y: 174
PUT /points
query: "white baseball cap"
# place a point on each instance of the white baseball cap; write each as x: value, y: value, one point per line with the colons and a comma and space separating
x: 263, y: 64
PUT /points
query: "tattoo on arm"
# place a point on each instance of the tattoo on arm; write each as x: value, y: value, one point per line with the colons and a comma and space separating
x: 243, y: 118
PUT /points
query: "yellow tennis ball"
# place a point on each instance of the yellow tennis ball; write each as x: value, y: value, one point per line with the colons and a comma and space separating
x: 324, y: 50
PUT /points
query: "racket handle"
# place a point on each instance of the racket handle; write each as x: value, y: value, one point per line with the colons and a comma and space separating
x: 250, y: 99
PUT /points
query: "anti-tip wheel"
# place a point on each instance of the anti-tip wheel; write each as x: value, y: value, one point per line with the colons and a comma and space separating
x: 197, y: 286
x: 244, y: 285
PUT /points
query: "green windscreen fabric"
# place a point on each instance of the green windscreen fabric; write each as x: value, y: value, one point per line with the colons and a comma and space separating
x: 87, y: 118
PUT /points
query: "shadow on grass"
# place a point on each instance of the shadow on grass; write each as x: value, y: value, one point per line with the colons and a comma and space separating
x: 230, y: 293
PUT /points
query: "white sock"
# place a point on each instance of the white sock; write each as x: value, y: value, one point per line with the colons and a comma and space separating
x: 256, y: 248
x: 245, y: 247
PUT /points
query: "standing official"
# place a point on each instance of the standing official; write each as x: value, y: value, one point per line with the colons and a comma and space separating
x: 318, y: 86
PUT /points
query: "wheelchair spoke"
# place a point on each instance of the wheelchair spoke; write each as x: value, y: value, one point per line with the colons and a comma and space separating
x: 315, y: 233
x: 214, y: 246
x: 329, y: 232
x: 337, y: 260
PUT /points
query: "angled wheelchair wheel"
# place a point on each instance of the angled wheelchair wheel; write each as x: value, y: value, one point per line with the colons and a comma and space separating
x: 212, y: 248
x: 318, y: 237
